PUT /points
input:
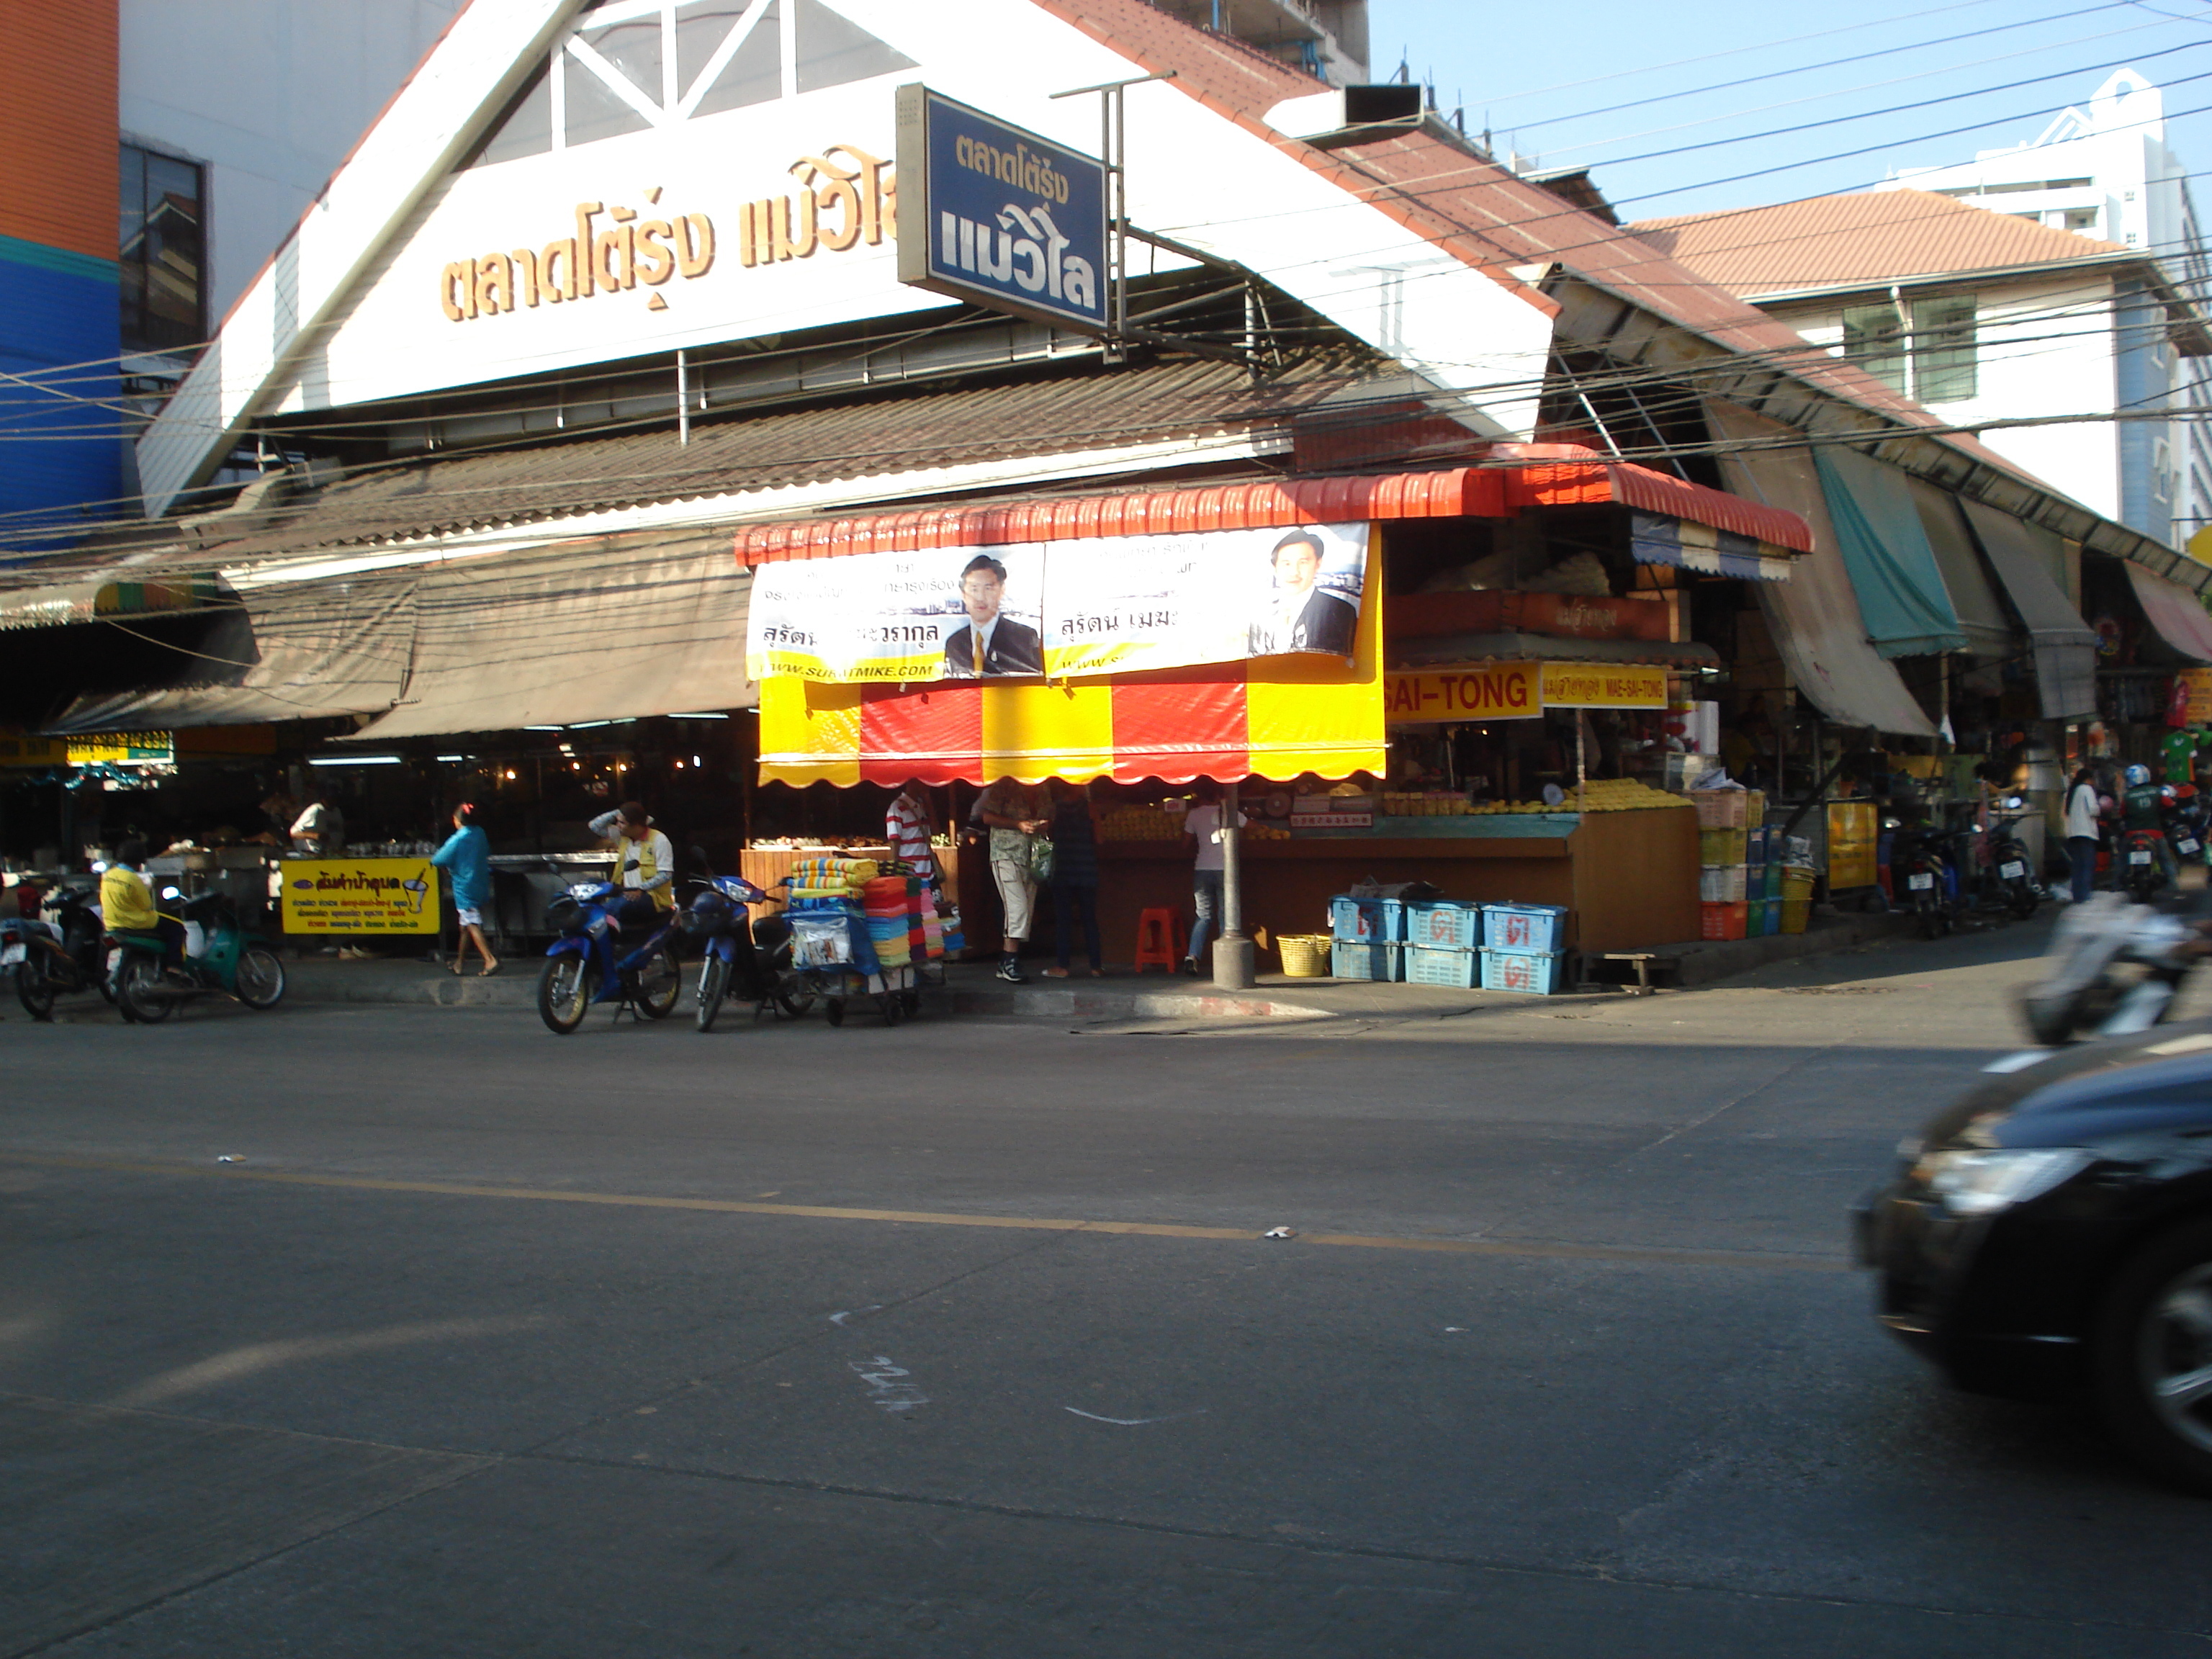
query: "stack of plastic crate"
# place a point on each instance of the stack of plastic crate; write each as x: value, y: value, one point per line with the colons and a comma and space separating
x: 1524, y: 947
x: 1444, y: 943
x: 1367, y: 937
x: 1723, y: 858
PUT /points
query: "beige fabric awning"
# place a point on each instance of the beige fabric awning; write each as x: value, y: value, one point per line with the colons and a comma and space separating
x: 305, y: 651
x: 2025, y: 555
x: 1814, y: 615
x: 574, y: 633
x: 1981, y: 619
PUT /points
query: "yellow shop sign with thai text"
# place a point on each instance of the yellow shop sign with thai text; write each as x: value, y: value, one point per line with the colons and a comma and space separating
x: 360, y: 895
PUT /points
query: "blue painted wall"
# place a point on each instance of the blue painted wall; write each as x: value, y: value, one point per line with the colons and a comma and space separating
x: 58, y: 310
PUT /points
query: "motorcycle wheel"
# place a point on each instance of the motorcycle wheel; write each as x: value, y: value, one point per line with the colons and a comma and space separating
x: 793, y: 995
x: 34, y: 988
x: 888, y: 1004
x: 141, y: 994
x: 660, y: 982
x: 833, y: 1009
x: 260, y: 978
x: 2026, y: 900
x: 1931, y: 922
x: 565, y: 985
x: 713, y: 986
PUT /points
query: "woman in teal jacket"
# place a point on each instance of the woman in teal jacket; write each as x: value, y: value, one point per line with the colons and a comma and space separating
x: 467, y: 855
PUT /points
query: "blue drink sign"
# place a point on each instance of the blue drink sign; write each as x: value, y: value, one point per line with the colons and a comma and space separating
x: 994, y: 215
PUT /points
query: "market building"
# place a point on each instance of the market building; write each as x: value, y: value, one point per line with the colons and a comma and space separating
x: 657, y: 379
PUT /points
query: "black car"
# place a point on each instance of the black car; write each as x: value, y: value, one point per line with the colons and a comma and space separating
x: 2049, y: 1237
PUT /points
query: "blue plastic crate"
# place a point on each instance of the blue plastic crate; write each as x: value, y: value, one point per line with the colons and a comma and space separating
x: 1376, y: 962
x: 1534, y: 972
x: 1524, y: 927
x: 1367, y: 921
x: 1444, y: 924
x: 1773, y: 921
x: 1755, y: 852
x: 1457, y: 969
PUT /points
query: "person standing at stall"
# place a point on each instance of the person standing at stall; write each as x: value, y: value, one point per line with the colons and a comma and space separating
x: 319, y: 831
x: 1014, y: 813
x: 1203, y: 824
x: 2081, y: 830
x: 467, y: 855
x: 908, y: 824
x: 1074, y: 876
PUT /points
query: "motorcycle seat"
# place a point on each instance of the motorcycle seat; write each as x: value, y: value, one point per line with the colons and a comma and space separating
x: 139, y: 941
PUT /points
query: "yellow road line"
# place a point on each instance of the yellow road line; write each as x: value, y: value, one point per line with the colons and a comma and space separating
x: 1496, y: 1247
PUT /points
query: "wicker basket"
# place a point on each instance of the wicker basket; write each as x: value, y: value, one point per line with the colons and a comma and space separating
x: 1305, y: 956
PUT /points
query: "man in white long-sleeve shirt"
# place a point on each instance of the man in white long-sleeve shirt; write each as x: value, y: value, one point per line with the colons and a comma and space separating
x: 645, y: 864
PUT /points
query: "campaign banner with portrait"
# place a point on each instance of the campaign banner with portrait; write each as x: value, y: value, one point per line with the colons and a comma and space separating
x: 1105, y: 604
x: 867, y: 616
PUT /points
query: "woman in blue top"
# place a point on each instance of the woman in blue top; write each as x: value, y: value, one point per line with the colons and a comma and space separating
x: 467, y: 853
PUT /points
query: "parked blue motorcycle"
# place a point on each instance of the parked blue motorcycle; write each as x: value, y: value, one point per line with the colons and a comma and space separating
x: 720, y: 924
x: 585, y: 964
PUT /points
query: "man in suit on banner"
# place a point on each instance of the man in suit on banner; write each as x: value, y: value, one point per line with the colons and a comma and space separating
x: 991, y: 644
x: 1304, y: 617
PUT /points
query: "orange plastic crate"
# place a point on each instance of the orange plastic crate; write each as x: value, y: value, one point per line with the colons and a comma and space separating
x: 1722, y: 920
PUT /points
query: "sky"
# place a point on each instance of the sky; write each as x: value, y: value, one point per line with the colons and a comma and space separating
x: 1617, y: 86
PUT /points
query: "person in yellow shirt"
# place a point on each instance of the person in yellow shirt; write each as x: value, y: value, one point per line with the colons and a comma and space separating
x: 126, y: 905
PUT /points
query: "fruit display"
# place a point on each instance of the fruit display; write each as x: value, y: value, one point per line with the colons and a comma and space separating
x: 1138, y: 823
x: 1602, y: 795
x: 1266, y: 832
x: 1626, y: 795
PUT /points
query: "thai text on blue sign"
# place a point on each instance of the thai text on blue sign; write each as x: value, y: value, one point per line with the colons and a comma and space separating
x: 993, y: 214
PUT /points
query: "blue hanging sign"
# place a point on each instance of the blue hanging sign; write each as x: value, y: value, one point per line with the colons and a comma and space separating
x: 994, y: 215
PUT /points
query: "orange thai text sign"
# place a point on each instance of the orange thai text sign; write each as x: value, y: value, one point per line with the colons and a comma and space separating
x: 1491, y: 692
x: 2198, y: 711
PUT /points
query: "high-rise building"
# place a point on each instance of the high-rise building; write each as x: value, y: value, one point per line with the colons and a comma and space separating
x: 152, y: 153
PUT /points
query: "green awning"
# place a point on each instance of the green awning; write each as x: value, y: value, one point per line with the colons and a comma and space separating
x: 1908, y: 610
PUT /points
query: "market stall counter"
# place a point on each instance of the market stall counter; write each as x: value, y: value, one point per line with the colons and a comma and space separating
x: 1628, y: 879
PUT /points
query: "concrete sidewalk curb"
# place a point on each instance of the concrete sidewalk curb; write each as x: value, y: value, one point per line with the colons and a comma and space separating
x: 975, y: 991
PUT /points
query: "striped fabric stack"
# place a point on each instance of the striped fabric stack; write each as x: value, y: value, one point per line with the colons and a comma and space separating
x: 892, y: 905
x: 828, y: 879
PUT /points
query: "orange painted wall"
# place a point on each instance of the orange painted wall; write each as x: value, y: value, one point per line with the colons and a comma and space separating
x: 57, y: 124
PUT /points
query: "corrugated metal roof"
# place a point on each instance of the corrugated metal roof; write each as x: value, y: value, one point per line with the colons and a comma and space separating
x: 1081, y: 408
x: 1858, y: 240
x: 1457, y: 492
x: 1514, y: 476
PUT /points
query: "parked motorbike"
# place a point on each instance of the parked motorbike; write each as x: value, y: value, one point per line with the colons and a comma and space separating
x: 718, y: 922
x: 61, y: 953
x: 1921, y: 876
x: 2115, y: 968
x: 2185, y: 824
x: 2142, y: 869
x: 2009, y: 875
x: 585, y: 966
x: 221, y: 959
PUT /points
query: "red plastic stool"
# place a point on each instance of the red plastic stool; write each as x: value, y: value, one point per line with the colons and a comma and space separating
x: 1159, y: 942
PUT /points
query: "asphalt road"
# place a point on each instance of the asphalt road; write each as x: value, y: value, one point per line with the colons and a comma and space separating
x: 958, y: 1340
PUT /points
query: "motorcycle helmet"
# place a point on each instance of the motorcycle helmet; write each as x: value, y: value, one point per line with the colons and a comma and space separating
x: 2137, y: 776
x: 2185, y: 791
x: 2167, y: 794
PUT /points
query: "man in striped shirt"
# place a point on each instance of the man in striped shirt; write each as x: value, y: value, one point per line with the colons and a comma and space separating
x: 907, y: 825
